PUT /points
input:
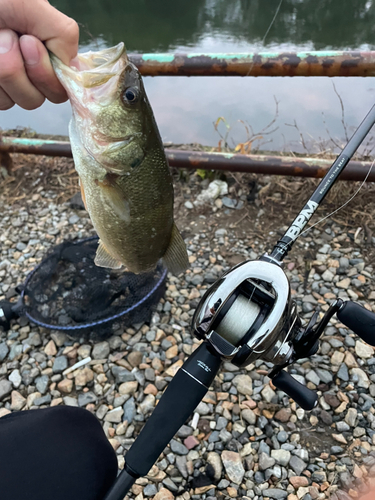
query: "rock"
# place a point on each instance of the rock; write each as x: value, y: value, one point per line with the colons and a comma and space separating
x: 363, y: 380
x: 15, y: 378
x: 298, y: 481
x: 114, y: 416
x: 129, y: 410
x: 265, y: 461
x: 50, y: 348
x: 73, y: 219
x: 147, y: 404
x: 17, y: 401
x: 178, y: 447
x: 191, y: 442
x: 281, y: 456
x: 84, y: 376
x: 4, y: 350
x: 42, y: 383
x: 86, y: 398
x: 128, y: 387
x: 65, y: 386
x: 233, y: 466
x: 135, y: 358
x: 351, y: 417
x: 170, y: 484
x: 268, y: 393
x: 324, y: 375
x: 60, y: 364
x: 214, y: 460
x: 164, y: 494
x: 101, y: 350
x: 363, y: 350
x: 150, y: 490
x: 275, y: 493
x: 297, y: 465
x: 249, y: 416
x: 5, y: 388
x: 283, y: 415
x: 243, y: 384
x: 311, y: 376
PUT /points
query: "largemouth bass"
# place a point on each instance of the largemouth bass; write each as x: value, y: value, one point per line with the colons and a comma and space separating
x: 124, y: 176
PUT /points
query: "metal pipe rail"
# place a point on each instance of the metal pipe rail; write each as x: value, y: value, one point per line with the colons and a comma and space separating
x: 313, y: 63
x: 260, y: 164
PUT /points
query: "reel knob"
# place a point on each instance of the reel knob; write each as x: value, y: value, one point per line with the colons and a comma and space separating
x: 358, y: 319
x: 303, y: 396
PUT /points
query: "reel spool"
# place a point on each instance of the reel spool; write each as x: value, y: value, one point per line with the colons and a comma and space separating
x: 248, y: 314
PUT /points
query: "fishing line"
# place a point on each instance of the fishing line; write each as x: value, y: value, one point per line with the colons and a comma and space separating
x: 273, y: 20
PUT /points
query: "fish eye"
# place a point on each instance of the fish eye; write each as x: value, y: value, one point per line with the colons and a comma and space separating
x: 131, y: 95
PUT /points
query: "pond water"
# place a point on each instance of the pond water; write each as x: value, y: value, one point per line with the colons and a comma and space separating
x: 187, y: 108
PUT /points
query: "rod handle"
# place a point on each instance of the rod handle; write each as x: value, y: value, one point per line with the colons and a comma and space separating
x: 358, y: 319
x: 303, y: 396
x: 178, y: 402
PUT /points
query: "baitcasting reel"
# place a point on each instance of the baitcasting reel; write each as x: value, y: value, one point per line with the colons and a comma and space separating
x: 248, y: 314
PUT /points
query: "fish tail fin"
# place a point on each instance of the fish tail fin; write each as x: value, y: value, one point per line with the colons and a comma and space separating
x: 176, y: 258
x: 104, y: 259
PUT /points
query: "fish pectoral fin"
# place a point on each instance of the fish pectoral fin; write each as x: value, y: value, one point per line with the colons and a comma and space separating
x: 104, y: 259
x: 176, y: 258
x: 113, y: 197
x: 83, y: 196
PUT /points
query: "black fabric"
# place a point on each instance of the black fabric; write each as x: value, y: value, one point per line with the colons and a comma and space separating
x: 58, y: 453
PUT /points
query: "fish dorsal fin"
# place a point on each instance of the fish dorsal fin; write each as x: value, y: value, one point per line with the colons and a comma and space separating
x: 104, y: 259
x: 176, y: 258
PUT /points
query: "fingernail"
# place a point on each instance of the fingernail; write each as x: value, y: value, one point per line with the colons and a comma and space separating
x: 6, y: 41
x: 29, y: 50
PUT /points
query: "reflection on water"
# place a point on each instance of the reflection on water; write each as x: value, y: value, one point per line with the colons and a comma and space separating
x: 186, y: 108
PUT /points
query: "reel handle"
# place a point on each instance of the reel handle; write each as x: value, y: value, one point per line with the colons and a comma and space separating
x: 303, y: 396
x: 358, y: 319
x: 178, y: 402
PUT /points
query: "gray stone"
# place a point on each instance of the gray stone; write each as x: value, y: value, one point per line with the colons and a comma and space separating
x: 275, y: 493
x: 184, y: 431
x: 129, y: 410
x: 311, y: 376
x: 41, y: 383
x: 265, y: 461
x: 86, y: 398
x: 4, y: 349
x: 324, y: 375
x: 73, y: 219
x: 343, y: 373
x: 101, y: 350
x: 150, y: 490
x: 114, y: 416
x: 170, y: 485
x: 181, y: 464
x: 122, y: 375
x: 281, y: 456
x: 297, y: 465
x: 178, y: 447
x: 43, y: 400
x: 229, y: 202
x: 282, y: 437
x: 60, y: 364
x: 342, y: 427
x: 5, y: 388
x: 249, y: 416
x: 15, y: 378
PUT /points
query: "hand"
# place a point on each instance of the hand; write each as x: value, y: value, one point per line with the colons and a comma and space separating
x: 26, y: 74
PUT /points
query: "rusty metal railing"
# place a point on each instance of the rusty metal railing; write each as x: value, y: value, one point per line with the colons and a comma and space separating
x: 313, y: 63
x: 260, y: 164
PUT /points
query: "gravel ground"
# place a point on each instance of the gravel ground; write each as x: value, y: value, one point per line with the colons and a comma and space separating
x: 246, y: 439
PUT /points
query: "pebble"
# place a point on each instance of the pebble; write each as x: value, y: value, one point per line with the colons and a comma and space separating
x: 233, y: 466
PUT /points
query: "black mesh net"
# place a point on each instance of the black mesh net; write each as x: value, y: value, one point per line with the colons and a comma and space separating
x: 68, y: 292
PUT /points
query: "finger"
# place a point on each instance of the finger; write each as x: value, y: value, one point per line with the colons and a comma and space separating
x: 5, y: 101
x: 39, y: 18
x: 13, y: 78
x: 39, y: 69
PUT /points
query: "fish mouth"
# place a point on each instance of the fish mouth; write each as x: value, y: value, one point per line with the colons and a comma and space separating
x: 90, y: 70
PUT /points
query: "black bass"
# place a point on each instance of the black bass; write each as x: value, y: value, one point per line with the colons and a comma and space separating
x: 124, y: 176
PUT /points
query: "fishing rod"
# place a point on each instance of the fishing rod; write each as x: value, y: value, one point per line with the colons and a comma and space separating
x: 248, y: 314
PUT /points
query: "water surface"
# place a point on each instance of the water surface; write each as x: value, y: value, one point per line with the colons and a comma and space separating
x: 186, y: 108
